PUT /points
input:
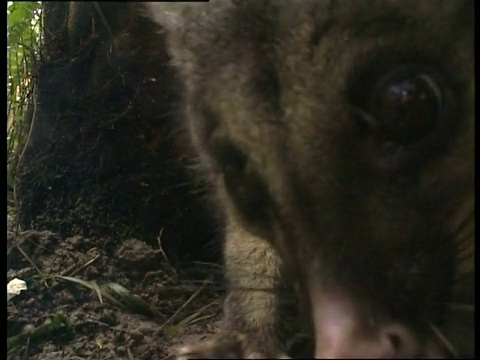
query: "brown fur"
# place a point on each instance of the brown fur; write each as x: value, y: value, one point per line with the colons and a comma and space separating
x: 315, y: 202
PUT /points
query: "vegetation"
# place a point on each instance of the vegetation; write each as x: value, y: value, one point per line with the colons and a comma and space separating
x: 23, y: 43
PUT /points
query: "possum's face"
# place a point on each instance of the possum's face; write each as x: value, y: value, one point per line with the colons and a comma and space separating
x: 342, y: 132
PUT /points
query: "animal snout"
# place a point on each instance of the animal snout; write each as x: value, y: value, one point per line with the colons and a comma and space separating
x: 345, y: 329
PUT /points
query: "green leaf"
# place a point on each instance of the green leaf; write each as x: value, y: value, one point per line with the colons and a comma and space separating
x: 19, y: 20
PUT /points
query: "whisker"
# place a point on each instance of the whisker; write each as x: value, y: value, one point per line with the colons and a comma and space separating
x: 461, y: 307
x: 467, y: 276
x: 464, y: 257
x: 444, y: 340
x: 469, y: 219
x: 209, y: 264
x: 365, y: 116
x: 465, y: 242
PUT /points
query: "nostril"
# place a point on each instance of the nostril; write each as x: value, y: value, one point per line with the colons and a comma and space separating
x: 343, y: 331
x: 395, y: 341
x: 401, y: 341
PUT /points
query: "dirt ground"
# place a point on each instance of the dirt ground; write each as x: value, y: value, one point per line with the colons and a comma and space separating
x: 65, y: 318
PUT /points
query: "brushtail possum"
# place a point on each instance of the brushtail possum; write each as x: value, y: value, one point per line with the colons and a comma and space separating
x: 339, y: 139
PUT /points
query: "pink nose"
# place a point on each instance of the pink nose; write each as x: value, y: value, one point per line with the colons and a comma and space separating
x: 343, y: 331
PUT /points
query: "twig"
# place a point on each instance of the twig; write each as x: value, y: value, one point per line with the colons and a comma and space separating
x: 102, y: 17
x: 160, y: 249
x: 77, y: 267
x: 29, y: 260
x: 171, y: 318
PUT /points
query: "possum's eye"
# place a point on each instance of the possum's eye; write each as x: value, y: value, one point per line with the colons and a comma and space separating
x: 406, y: 104
x: 405, y: 112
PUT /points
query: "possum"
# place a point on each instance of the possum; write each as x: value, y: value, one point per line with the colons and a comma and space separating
x: 338, y: 137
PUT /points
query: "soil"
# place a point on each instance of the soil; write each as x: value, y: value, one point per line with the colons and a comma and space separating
x: 181, y: 304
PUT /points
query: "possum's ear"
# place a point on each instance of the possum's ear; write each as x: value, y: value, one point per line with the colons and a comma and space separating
x: 167, y: 15
x: 170, y: 15
x: 174, y: 16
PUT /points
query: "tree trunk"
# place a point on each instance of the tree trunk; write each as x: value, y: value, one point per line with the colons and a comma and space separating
x: 103, y: 157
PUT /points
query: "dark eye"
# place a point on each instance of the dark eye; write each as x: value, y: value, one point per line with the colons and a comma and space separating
x: 406, y: 105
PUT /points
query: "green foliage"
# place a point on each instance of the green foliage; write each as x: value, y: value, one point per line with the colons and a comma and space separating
x: 23, y: 43
x: 59, y: 325
x: 20, y: 19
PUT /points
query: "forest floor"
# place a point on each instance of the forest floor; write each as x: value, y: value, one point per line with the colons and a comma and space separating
x: 106, y: 298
